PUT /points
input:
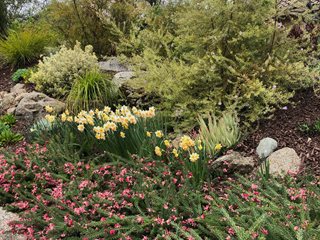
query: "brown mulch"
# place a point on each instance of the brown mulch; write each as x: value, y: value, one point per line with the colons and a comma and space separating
x: 5, y: 79
x: 283, y: 127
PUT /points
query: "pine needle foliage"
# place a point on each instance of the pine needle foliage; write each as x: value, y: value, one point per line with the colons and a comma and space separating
x: 216, y: 55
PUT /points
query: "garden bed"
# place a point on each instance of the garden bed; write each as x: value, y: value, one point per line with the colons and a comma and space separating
x: 284, y: 127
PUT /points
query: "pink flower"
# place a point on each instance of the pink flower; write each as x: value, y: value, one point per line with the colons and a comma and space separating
x: 46, y: 217
x: 159, y: 221
x: 254, y: 186
x: 68, y: 220
x: 112, y: 232
x: 140, y: 220
x: 57, y: 192
x: 231, y: 231
x: 264, y: 231
x: 296, y: 228
x: 254, y: 235
x: 79, y: 210
x: 245, y: 196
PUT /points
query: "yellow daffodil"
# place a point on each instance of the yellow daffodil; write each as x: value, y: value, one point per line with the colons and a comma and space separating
x: 167, y: 143
x: 70, y: 119
x: 218, y: 147
x: 63, y: 117
x: 122, y: 134
x: 157, y: 151
x: 49, y: 109
x: 50, y: 118
x: 148, y: 134
x: 194, y: 157
x: 186, y: 142
x: 175, y: 152
x: 81, y: 127
x: 159, y: 134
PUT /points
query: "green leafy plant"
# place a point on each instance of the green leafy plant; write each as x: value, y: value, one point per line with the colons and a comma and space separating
x: 316, y: 126
x: 304, y: 127
x: 91, y: 91
x: 8, y: 119
x: 23, y: 46
x: 56, y: 74
x: 312, y: 128
x: 21, y: 75
x: 9, y: 137
x: 214, y: 131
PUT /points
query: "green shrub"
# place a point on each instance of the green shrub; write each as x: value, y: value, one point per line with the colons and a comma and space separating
x: 224, y: 131
x: 93, y: 90
x: 220, y: 55
x: 21, y: 74
x: 56, y: 73
x: 23, y: 46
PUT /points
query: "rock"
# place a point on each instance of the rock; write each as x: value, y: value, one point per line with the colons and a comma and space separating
x: 32, y: 105
x: 18, y: 89
x: 122, y: 77
x: 112, y: 65
x: 283, y: 161
x: 11, y: 110
x: 7, y: 102
x: 5, y: 218
x: 266, y: 147
x: 234, y: 162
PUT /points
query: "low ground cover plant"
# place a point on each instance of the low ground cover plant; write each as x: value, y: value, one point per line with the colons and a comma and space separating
x: 22, y: 74
x: 7, y: 136
x: 151, y: 189
x: 310, y: 128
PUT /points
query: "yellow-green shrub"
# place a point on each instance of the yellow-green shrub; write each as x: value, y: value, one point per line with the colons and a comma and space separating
x: 56, y: 73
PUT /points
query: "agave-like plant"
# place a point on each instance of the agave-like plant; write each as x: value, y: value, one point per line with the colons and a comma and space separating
x: 214, y: 131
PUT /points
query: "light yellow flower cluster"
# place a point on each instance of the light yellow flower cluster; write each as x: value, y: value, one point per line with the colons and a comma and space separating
x: 106, y: 120
x: 186, y: 142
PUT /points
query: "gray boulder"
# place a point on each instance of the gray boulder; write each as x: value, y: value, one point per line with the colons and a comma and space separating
x: 234, y: 162
x: 32, y: 105
x: 18, y: 89
x: 283, y: 161
x: 266, y: 147
x: 122, y: 77
x: 7, y: 102
x: 112, y: 65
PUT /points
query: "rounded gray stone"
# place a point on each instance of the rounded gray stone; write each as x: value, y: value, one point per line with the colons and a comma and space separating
x: 266, y: 147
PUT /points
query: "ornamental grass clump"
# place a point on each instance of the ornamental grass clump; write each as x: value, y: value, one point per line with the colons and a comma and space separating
x: 56, y: 73
x: 23, y: 46
x: 91, y: 91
